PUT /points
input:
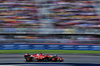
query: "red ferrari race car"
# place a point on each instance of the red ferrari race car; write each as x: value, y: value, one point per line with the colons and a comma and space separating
x: 42, y: 57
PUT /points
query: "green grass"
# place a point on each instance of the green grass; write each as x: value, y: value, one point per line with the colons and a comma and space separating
x: 51, y: 51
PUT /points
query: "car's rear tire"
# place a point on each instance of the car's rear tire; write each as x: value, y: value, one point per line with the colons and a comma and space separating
x: 28, y: 59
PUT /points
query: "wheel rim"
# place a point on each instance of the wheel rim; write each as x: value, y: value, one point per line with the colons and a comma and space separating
x: 53, y: 59
x: 28, y: 58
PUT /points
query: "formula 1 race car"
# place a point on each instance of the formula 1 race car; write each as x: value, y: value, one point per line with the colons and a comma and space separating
x: 42, y: 57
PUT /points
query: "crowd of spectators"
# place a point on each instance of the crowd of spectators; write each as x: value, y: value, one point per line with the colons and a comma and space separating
x: 46, y: 17
x: 60, y: 13
x: 71, y: 14
x: 18, y: 13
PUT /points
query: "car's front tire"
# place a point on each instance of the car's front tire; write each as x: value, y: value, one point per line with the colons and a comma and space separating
x: 53, y: 59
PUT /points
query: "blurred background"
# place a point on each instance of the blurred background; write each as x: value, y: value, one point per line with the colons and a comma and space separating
x: 50, y: 21
x: 67, y: 27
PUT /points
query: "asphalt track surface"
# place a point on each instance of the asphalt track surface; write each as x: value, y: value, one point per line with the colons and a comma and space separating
x: 68, y: 58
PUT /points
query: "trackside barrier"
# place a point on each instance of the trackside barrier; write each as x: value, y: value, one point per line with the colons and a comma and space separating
x: 48, y: 47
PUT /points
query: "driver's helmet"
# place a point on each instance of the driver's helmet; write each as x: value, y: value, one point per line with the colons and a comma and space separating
x: 39, y: 54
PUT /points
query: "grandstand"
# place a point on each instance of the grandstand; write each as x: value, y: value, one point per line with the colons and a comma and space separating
x: 49, y: 21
